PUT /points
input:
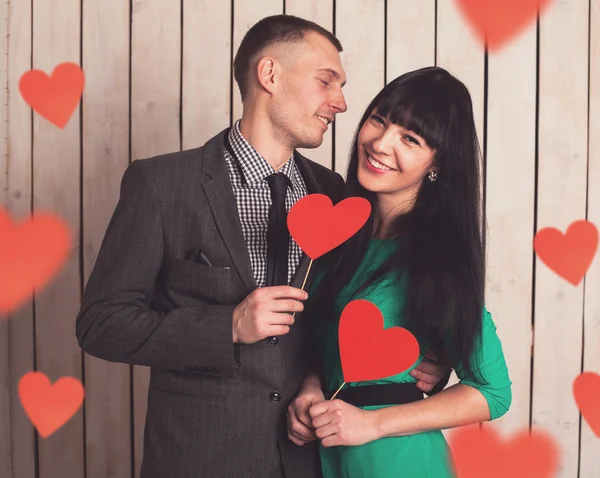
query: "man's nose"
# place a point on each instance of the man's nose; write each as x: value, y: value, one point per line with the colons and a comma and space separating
x: 339, y: 103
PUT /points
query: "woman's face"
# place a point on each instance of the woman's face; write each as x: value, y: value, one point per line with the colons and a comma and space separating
x: 392, y: 161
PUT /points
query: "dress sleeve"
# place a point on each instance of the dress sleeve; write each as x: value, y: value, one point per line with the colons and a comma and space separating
x: 489, y: 363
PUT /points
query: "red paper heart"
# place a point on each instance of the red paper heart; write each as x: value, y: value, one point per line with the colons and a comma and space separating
x: 568, y: 255
x: 31, y: 253
x: 480, y: 451
x: 367, y: 351
x: 318, y: 226
x: 53, y: 97
x: 586, y: 390
x: 48, y: 406
x: 498, y: 21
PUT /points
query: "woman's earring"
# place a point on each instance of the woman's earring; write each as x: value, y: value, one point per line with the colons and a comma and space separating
x: 432, y: 176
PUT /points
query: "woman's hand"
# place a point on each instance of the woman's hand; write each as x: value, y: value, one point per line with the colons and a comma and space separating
x: 339, y: 423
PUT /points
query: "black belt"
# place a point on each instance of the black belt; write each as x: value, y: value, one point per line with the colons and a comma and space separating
x: 384, y: 394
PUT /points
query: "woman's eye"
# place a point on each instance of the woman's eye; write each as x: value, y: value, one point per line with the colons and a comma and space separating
x: 377, y: 119
x: 411, y: 139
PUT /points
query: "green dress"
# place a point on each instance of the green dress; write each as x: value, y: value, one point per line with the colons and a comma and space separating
x: 422, y: 455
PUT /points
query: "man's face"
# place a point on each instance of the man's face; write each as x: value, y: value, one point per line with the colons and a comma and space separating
x: 309, y: 94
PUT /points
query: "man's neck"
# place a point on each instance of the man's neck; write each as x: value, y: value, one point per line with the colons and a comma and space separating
x: 259, y: 133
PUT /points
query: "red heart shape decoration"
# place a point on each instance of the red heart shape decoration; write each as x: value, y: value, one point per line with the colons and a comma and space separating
x: 31, y: 253
x: 49, y: 406
x: 568, y: 255
x: 53, y: 97
x: 367, y: 350
x: 586, y: 390
x: 480, y: 451
x: 498, y: 21
x: 318, y: 226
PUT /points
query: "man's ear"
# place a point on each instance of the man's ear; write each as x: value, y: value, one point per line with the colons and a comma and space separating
x: 268, y: 71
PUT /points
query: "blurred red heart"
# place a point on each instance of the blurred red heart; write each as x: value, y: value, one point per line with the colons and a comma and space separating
x: 367, y: 350
x: 318, y: 226
x: 586, y: 390
x: 31, y: 253
x: 569, y: 255
x: 54, y: 97
x: 480, y: 451
x: 49, y: 406
x: 498, y: 21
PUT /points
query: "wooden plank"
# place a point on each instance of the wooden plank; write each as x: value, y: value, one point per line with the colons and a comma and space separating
x: 206, y: 71
x: 155, y: 113
x: 510, y: 203
x: 5, y: 445
x: 364, y: 61
x: 56, y: 179
x: 563, y: 88
x: 459, y: 52
x: 410, y: 36
x: 320, y: 12
x: 246, y: 14
x: 105, y: 158
x: 19, y: 198
x: 590, y: 444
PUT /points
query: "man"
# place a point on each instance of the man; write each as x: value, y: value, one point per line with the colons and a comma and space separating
x: 192, y: 277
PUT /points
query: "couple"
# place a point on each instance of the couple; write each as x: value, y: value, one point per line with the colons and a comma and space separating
x: 198, y: 279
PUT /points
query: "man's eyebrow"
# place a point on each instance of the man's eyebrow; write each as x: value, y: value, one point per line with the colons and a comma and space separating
x: 333, y: 73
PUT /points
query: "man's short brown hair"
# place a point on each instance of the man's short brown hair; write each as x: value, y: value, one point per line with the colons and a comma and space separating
x: 267, y: 32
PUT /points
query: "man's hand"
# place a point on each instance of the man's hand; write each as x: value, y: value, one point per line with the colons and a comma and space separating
x: 266, y: 312
x: 428, y: 373
x: 299, y: 422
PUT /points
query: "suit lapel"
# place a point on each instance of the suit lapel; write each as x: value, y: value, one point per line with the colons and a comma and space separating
x: 221, y: 199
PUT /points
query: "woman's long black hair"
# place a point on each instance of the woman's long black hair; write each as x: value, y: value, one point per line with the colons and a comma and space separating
x: 442, y: 248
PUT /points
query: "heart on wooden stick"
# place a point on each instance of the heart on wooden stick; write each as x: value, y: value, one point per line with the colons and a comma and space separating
x: 367, y: 350
x: 318, y: 226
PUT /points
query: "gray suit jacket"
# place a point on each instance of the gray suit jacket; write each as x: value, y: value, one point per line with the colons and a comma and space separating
x: 211, y: 413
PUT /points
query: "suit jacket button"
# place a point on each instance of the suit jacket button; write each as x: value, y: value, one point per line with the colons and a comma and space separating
x: 273, y: 340
x: 275, y: 396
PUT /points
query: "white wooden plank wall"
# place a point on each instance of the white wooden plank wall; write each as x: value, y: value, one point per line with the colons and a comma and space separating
x: 159, y: 79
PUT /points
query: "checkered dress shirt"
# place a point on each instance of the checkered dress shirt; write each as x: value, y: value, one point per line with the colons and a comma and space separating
x: 248, y: 173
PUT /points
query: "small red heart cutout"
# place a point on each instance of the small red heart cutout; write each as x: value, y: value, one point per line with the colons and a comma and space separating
x: 480, y: 451
x: 31, y: 253
x: 586, y: 390
x: 498, y: 21
x: 367, y: 350
x: 568, y: 255
x: 318, y: 226
x: 48, y: 406
x: 53, y: 97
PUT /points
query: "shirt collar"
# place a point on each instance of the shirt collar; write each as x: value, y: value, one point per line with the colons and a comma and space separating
x: 254, y: 167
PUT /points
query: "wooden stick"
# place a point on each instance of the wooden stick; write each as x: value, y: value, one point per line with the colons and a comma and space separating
x: 337, y: 391
x: 305, y: 277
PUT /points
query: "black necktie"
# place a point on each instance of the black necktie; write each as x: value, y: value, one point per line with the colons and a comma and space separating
x: 277, y: 232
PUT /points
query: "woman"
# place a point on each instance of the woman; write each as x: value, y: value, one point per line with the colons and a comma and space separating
x: 420, y: 260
